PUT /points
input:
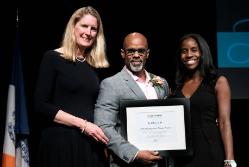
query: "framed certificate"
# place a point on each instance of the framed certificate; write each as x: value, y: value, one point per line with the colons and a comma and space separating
x: 162, y: 125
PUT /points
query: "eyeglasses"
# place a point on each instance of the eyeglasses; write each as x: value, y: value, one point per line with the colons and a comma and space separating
x: 132, y: 51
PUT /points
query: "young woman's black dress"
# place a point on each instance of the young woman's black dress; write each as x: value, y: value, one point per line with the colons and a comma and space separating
x: 207, y: 144
x: 72, y: 87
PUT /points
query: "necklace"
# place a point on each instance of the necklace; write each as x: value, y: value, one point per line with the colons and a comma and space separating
x: 80, y: 59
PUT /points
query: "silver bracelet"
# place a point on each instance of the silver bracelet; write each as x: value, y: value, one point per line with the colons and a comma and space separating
x: 84, y: 126
x: 231, y: 163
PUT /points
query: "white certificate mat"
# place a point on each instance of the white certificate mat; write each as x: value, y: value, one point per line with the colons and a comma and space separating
x: 156, y: 127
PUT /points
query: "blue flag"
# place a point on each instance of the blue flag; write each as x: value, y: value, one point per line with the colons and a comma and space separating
x: 15, y: 149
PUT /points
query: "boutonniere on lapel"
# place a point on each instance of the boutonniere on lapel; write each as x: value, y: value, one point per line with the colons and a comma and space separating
x: 157, y: 81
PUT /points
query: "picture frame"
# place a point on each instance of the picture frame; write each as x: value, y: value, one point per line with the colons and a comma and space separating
x: 162, y: 125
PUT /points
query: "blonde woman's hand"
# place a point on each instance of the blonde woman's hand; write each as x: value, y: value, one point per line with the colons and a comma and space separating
x: 95, y: 132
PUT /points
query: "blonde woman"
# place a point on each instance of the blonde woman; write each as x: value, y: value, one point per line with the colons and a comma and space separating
x: 66, y: 92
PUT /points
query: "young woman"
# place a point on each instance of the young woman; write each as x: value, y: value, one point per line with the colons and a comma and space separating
x: 210, y: 100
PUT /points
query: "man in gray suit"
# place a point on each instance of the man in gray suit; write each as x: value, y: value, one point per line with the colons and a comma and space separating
x: 133, y: 83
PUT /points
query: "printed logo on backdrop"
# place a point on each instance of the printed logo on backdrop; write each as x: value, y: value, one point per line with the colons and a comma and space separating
x: 233, y: 46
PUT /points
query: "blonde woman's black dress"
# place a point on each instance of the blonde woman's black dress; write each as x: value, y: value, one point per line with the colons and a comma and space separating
x: 72, y: 87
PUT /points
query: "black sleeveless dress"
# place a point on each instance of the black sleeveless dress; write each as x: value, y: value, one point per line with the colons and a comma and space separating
x: 208, y: 148
x: 72, y: 87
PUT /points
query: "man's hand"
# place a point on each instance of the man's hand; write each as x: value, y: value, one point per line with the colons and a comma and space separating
x: 148, y: 157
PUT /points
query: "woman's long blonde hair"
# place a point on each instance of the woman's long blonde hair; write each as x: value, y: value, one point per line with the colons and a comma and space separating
x: 96, y: 54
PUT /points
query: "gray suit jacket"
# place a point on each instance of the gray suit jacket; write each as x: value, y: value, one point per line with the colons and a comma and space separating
x: 112, y: 90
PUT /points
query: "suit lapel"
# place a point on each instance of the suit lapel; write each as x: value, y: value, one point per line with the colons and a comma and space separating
x: 133, y: 85
x: 159, y: 90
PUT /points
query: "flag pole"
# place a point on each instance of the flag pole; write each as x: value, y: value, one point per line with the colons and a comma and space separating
x: 17, y: 18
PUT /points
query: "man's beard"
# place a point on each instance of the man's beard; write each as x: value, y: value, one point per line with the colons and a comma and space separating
x: 136, y: 68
